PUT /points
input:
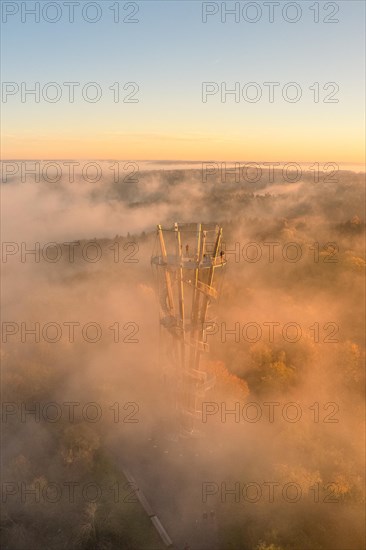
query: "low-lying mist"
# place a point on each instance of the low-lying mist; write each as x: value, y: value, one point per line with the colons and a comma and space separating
x: 279, y: 461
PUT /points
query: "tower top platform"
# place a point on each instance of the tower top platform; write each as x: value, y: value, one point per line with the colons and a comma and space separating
x: 190, y: 246
x: 192, y: 227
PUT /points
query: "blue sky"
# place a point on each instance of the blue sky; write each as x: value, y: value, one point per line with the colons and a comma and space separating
x: 169, y: 53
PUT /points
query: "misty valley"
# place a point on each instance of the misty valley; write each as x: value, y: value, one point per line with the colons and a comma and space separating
x: 127, y: 427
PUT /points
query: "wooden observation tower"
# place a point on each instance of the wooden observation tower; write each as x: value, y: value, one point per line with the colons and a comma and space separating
x: 186, y: 260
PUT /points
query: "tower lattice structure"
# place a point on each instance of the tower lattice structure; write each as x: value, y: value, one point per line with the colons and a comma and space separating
x: 186, y: 261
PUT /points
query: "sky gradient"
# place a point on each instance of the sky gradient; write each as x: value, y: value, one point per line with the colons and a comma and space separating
x: 169, y: 53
